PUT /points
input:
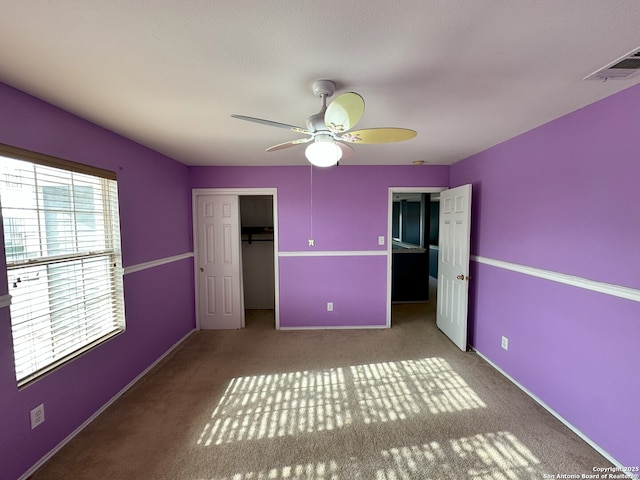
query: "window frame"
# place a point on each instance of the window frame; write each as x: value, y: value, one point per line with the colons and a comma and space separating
x: 114, y: 294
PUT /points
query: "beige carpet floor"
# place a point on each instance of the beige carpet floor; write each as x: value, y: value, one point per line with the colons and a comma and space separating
x: 396, y: 404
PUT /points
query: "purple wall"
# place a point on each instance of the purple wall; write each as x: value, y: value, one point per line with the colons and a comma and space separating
x: 357, y: 286
x: 350, y: 211
x: 564, y: 197
x: 155, y: 217
x: 349, y: 202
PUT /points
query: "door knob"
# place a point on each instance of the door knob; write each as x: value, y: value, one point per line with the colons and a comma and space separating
x: 201, y: 269
x: 460, y: 277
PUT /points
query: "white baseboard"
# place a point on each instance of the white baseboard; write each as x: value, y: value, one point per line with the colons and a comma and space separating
x: 69, y: 437
x: 594, y: 445
x: 346, y: 327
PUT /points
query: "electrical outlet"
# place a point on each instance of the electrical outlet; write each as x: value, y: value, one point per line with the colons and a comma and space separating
x: 381, y: 240
x: 329, y: 306
x: 312, y: 243
x: 505, y: 343
x: 37, y: 416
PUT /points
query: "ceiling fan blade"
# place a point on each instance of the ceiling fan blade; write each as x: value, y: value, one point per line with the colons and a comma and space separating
x: 378, y: 135
x: 292, y: 143
x: 271, y: 123
x: 347, y: 150
x: 344, y: 112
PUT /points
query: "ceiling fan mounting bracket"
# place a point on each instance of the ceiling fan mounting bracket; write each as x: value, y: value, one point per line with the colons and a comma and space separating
x: 324, y: 87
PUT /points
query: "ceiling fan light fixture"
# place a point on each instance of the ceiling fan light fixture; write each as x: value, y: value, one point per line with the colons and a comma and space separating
x: 323, y: 152
x: 330, y: 130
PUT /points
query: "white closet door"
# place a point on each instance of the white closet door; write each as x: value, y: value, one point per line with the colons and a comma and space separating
x: 219, y: 263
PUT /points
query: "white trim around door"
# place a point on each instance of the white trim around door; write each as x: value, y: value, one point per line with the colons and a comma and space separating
x: 241, y: 192
x: 391, y: 191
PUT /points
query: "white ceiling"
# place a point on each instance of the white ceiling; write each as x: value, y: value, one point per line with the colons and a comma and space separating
x: 465, y: 75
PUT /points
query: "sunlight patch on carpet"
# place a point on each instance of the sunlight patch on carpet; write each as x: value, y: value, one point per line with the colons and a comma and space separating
x: 486, y: 456
x: 316, y: 471
x: 489, y: 456
x: 294, y: 403
x: 270, y: 406
x: 398, y: 390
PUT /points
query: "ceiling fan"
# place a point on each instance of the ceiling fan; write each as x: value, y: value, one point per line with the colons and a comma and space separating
x: 329, y: 131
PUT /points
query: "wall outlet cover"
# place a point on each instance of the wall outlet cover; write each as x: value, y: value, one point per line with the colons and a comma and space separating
x: 37, y: 416
x: 505, y: 343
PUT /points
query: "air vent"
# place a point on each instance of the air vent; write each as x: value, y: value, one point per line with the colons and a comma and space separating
x: 624, y: 67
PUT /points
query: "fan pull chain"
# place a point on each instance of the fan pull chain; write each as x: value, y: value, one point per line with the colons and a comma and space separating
x: 311, y: 239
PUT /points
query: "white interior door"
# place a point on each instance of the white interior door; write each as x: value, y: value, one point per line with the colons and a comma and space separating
x: 218, y: 262
x: 453, y: 263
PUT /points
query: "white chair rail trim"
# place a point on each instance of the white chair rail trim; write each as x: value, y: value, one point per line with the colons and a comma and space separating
x: 155, y: 263
x: 338, y: 253
x: 580, y: 282
x: 5, y: 300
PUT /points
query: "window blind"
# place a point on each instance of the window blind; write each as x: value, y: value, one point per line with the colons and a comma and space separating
x: 64, y: 268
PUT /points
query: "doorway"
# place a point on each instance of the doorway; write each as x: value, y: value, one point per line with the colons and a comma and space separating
x: 250, y: 242
x: 257, y: 251
x: 412, y: 248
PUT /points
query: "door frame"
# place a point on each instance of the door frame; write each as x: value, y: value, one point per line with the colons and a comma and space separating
x: 393, y: 190
x: 239, y: 192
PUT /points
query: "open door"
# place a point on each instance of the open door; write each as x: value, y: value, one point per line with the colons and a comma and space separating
x: 453, y: 264
x: 218, y: 262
